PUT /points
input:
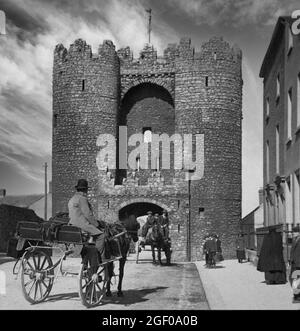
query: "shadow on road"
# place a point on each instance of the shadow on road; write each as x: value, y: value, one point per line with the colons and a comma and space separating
x: 130, y: 296
x: 62, y: 296
x: 157, y: 263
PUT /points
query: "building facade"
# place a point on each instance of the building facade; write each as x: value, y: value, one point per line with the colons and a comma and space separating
x: 253, y: 221
x: 182, y: 92
x: 281, y: 77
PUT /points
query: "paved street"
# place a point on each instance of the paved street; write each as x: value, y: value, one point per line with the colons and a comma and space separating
x: 145, y: 286
x: 240, y: 286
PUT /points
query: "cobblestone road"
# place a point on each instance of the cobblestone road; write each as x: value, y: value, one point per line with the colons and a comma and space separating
x: 145, y: 286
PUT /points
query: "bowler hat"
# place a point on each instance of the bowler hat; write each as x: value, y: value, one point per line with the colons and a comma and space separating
x: 81, y: 184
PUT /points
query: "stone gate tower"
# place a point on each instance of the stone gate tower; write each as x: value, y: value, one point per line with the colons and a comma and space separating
x: 183, y: 92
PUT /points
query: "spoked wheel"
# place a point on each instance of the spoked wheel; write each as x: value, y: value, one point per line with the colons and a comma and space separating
x: 37, y: 276
x: 92, y: 286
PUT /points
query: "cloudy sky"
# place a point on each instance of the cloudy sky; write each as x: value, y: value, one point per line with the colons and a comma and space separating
x: 34, y: 27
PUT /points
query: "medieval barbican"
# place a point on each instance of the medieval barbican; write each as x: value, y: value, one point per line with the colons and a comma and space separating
x: 184, y: 92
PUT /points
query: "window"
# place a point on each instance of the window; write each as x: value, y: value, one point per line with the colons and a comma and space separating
x: 138, y: 162
x: 201, y: 212
x: 268, y: 162
x: 290, y: 41
x: 268, y: 107
x: 277, y: 149
x: 147, y: 132
x: 267, y: 110
x: 289, y: 116
x: 289, y: 200
x: 298, y: 101
x: 297, y: 196
x: 206, y: 81
x: 83, y: 85
x: 278, y: 87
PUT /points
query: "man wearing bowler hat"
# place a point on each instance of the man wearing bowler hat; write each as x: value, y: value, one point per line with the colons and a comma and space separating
x: 81, y: 215
x: 164, y: 222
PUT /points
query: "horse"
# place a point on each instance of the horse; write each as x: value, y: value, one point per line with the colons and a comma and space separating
x: 155, y: 237
x: 123, y: 239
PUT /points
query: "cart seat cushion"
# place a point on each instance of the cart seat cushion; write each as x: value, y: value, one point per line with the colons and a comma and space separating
x: 30, y: 230
x: 69, y: 234
x: 50, y: 231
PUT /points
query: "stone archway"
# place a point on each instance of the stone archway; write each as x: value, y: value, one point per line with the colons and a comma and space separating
x: 140, y: 207
x: 165, y: 82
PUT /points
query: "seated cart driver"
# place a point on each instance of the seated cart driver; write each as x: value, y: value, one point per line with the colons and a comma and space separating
x: 81, y: 215
x: 146, y: 227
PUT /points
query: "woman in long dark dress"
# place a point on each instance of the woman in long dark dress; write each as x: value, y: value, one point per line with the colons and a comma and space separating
x: 240, y: 248
x: 271, y: 260
x: 295, y: 257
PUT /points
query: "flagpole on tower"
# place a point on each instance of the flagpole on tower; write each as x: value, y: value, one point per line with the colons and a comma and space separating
x: 2, y: 23
x: 149, y: 11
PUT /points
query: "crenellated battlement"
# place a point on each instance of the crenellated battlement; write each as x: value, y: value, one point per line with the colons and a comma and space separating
x: 81, y: 50
x: 215, y: 53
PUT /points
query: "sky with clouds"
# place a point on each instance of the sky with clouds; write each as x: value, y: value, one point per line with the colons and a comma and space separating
x: 34, y: 27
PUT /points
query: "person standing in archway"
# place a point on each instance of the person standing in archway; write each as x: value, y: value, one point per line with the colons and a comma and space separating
x: 146, y: 227
x: 132, y: 226
x: 164, y: 223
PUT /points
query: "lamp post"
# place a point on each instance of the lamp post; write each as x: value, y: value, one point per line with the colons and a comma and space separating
x: 189, y: 173
x: 46, y: 193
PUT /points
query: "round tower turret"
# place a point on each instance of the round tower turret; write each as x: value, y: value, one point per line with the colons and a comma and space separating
x: 208, y: 89
x: 85, y: 104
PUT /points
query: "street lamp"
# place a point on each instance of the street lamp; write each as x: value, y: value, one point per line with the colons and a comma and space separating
x: 189, y: 173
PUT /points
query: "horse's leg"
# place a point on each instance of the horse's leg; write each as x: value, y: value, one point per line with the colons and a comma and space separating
x: 110, y: 270
x: 168, y: 255
x: 153, y: 253
x: 122, y: 262
x: 159, y: 254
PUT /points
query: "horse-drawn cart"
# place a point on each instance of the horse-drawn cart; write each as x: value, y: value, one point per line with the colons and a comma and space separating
x: 157, y: 242
x: 39, y: 271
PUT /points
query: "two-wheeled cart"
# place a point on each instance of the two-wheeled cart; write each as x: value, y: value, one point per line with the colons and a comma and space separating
x: 39, y: 272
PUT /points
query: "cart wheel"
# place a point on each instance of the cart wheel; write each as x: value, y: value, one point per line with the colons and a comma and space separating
x: 92, y: 286
x: 37, y: 277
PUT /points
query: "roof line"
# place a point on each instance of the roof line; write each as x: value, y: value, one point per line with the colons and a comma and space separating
x: 268, y: 56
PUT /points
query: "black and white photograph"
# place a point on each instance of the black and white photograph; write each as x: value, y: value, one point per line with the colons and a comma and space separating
x: 149, y: 158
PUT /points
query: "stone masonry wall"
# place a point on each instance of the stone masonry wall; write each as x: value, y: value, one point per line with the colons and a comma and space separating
x: 205, y: 89
x: 86, y: 92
